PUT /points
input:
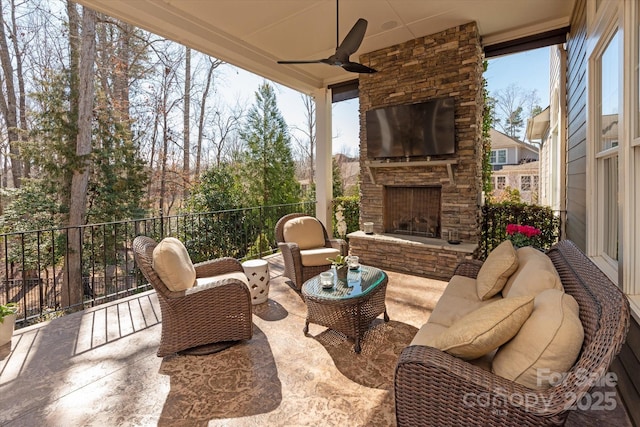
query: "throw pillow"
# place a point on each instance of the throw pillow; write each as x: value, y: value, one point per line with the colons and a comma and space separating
x: 547, y: 345
x: 172, y: 264
x: 499, y: 265
x: 486, y: 328
x: 535, y: 274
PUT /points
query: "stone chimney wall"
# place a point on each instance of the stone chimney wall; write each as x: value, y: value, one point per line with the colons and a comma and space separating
x: 448, y: 63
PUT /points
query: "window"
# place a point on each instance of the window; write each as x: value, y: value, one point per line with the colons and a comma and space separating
x: 501, y: 182
x: 498, y: 157
x: 525, y: 183
x: 607, y: 102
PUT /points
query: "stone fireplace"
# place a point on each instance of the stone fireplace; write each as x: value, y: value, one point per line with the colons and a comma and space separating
x: 414, y: 201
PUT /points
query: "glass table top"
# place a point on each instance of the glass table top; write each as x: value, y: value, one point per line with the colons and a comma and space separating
x: 357, y: 284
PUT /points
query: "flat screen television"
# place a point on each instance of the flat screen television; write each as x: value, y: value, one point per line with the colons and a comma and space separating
x: 414, y: 130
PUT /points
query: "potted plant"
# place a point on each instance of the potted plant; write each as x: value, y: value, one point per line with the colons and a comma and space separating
x: 7, y: 321
x: 339, y: 263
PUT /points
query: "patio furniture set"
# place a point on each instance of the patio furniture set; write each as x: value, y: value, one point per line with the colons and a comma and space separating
x: 518, y: 339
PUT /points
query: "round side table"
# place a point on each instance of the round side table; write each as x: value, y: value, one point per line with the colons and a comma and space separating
x: 257, y: 271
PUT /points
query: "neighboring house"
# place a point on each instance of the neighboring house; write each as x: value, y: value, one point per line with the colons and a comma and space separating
x: 515, y: 167
x: 523, y: 177
x: 509, y: 151
x: 549, y: 128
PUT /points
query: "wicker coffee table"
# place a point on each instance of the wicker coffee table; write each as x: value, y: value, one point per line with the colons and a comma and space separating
x: 350, y: 306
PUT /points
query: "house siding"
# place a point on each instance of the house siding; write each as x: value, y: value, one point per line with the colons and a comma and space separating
x: 627, y: 365
x: 577, y: 127
x: 627, y: 368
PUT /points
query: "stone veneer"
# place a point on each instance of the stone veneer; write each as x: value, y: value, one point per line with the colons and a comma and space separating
x: 448, y: 63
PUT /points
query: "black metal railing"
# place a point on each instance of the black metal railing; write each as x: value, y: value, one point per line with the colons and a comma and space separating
x: 34, y: 274
x: 496, y: 217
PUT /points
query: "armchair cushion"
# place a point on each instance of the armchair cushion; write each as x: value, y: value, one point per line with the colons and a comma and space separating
x: 318, y: 257
x: 201, y: 281
x: 547, y: 344
x: 499, y: 265
x: 172, y: 264
x: 306, y: 231
x: 485, y: 329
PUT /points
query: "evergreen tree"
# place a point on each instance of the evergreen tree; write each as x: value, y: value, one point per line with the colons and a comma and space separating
x: 219, y: 189
x: 269, y: 167
x: 338, y: 188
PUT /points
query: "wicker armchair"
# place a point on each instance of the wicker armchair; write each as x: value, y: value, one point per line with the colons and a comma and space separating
x: 292, y: 254
x: 212, y: 313
x: 434, y: 388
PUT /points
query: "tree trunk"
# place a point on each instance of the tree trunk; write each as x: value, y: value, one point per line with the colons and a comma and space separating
x: 186, y: 113
x: 80, y: 178
x: 22, y: 103
x: 11, y: 114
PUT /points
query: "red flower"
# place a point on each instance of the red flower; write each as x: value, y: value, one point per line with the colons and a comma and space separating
x: 521, y: 235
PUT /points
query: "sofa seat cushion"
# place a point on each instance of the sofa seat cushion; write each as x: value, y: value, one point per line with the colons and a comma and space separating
x: 485, y: 329
x: 306, y: 231
x: 496, y: 269
x: 427, y: 334
x: 546, y: 346
x: 459, y: 299
x: 201, y: 281
x: 317, y: 257
x: 535, y: 274
x: 172, y: 264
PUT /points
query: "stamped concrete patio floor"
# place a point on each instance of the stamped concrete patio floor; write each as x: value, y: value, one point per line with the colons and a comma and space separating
x: 99, y: 368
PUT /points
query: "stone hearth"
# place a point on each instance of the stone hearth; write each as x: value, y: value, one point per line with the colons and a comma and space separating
x: 434, y: 258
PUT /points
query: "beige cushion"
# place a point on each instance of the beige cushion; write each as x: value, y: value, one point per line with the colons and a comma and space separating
x: 172, y: 264
x: 317, y: 257
x: 306, y: 231
x: 547, y: 344
x: 427, y: 333
x: 459, y: 299
x: 485, y: 329
x: 499, y: 265
x: 201, y: 281
x: 535, y: 274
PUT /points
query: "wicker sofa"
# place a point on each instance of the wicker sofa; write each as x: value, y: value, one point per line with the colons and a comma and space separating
x: 433, y: 387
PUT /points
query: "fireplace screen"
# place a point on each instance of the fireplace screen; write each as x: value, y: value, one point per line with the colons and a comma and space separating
x: 412, y: 210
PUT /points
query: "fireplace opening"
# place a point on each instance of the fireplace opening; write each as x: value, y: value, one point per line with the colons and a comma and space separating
x: 412, y: 211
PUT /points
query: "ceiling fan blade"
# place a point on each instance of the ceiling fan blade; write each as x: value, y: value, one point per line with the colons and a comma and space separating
x: 313, y: 61
x: 354, y: 67
x: 352, y: 41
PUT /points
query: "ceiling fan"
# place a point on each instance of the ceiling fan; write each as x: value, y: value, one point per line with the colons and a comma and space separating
x: 344, y: 50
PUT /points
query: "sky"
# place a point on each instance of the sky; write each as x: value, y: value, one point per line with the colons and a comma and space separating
x: 528, y: 70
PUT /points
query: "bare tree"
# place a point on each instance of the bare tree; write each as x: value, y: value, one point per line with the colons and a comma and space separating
x: 186, y: 125
x: 8, y: 96
x: 306, y: 146
x: 225, y: 125
x: 212, y: 65
x: 513, y: 105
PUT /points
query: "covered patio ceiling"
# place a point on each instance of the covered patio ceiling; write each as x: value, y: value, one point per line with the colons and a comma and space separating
x: 254, y: 34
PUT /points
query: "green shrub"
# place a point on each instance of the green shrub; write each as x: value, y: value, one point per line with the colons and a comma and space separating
x: 351, y: 212
x: 496, y: 217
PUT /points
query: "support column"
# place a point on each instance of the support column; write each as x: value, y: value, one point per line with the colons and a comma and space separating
x: 324, y: 169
